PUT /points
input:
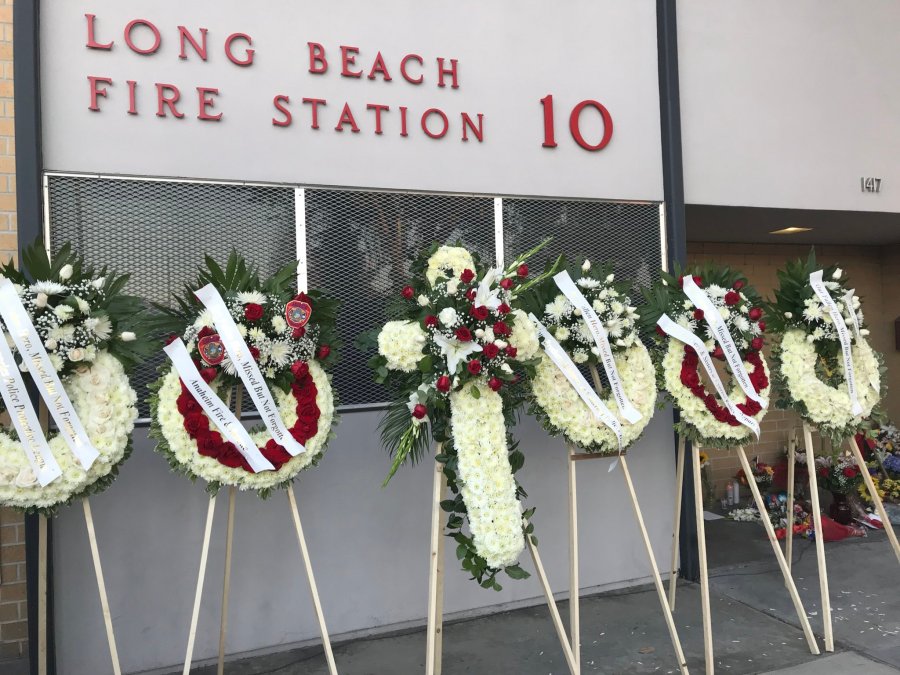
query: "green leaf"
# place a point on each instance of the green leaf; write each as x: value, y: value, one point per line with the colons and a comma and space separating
x: 461, y: 551
x: 475, y: 392
x: 516, y: 572
x: 516, y: 460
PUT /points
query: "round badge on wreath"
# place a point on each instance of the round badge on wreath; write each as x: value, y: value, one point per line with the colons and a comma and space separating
x: 236, y: 332
x: 709, y: 325
x: 454, y: 363
x: 76, y: 334
x: 832, y: 388
x: 585, y: 318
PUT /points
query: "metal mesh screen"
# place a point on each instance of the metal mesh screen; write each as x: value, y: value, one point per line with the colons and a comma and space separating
x: 160, y: 231
x: 359, y: 243
x: 359, y: 246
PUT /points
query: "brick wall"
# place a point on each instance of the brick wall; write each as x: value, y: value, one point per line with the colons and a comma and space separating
x: 870, y: 268
x: 13, y: 622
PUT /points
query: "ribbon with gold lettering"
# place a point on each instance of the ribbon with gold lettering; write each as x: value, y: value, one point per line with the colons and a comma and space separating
x: 35, y: 357
x: 247, y: 369
x: 24, y: 419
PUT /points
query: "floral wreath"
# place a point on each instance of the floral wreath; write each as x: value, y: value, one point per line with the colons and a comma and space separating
x: 452, y: 363
x: 291, y: 337
x: 93, y: 334
x: 555, y: 402
x: 704, y: 418
x: 809, y: 372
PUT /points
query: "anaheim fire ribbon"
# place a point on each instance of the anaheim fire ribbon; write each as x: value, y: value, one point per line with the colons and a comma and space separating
x: 24, y: 419
x: 247, y: 369
x: 35, y: 358
x: 687, y: 337
x: 220, y: 414
x: 818, y: 286
x: 589, y: 316
x: 568, y: 368
x: 721, y: 334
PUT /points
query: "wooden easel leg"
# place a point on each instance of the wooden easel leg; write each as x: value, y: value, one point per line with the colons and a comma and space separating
x: 820, y: 540
x: 574, y: 585
x: 195, y: 615
x: 770, y: 531
x: 314, y: 592
x: 704, y: 571
x: 42, y: 595
x: 876, y: 498
x: 657, y: 580
x: 551, y: 603
x: 101, y: 585
x: 435, y: 628
x: 226, y: 585
x: 676, y: 528
x: 789, y: 531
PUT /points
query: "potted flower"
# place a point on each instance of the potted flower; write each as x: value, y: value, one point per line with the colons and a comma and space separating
x: 840, y: 475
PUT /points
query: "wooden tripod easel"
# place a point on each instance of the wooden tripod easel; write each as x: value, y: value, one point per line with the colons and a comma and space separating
x: 701, y: 542
x: 817, y: 519
x: 435, y: 628
x: 226, y: 585
x: 42, y: 576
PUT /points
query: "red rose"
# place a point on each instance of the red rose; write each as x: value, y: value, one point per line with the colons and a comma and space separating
x: 210, y: 444
x: 230, y: 457
x: 755, y: 314
x: 698, y: 280
x: 408, y: 292
x: 738, y: 285
x: 431, y: 320
x: 470, y: 294
x: 308, y: 414
x: 511, y: 352
x: 324, y: 351
x: 254, y: 352
x: 206, y: 331
x: 849, y: 472
x: 756, y: 343
x: 474, y: 366
x: 303, y: 297
x: 501, y: 329
x: 253, y: 311
x: 463, y: 334
x: 732, y: 298
x: 298, y: 332
x: 275, y: 454
x: 506, y: 284
x: 762, y: 326
x: 689, y: 377
x: 660, y: 331
x: 823, y: 471
x: 491, y: 350
x: 419, y: 411
x: 169, y: 340
x: 466, y: 276
x: 208, y: 374
x: 503, y: 309
x: 522, y: 272
x: 187, y: 405
x: 443, y: 384
x: 718, y: 353
x: 495, y: 383
x: 300, y: 369
x: 698, y: 314
x: 480, y: 313
x: 195, y: 423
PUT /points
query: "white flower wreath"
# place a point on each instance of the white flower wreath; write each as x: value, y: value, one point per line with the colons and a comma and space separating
x: 107, y: 407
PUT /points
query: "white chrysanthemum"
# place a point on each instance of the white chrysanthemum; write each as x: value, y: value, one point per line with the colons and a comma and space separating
x: 280, y: 353
x: 83, y: 305
x: 204, y: 320
x: 588, y: 282
x: 453, y: 258
x: 106, y: 405
x: 401, y: 343
x: 279, y: 325
x: 256, y: 297
x: 558, y: 308
x: 487, y: 484
x: 568, y: 413
x: 47, y: 287
x: 524, y: 336
x: 62, y: 333
x: 99, y: 326
x: 63, y: 312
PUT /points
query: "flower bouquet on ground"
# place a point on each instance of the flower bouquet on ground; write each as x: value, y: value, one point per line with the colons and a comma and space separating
x: 704, y: 317
x: 885, y: 466
x: 762, y: 475
x: 65, y: 322
x: 817, y: 312
x: 251, y: 330
x: 586, y: 318
x: 454, y: 364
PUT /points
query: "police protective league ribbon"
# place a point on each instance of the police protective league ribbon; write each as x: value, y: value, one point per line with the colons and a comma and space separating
x: 589, y: 316
x: 720, y: 332
x: 688, y: 338
x: 247, y: 369
x: 24, y: 419
x: 818, y: 286
x: 226, y: 422
x: 35, y: 357
x: 585, y: 391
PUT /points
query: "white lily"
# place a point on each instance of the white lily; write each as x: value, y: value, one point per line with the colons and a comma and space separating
x: 455, y: 350
x: 485, y: 296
